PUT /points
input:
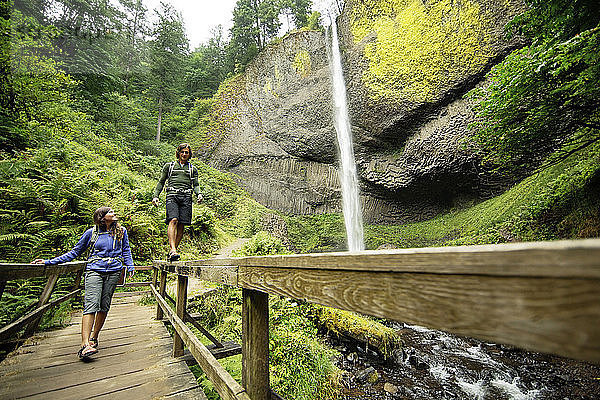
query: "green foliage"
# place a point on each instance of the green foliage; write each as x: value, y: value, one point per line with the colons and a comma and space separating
x: 314, y: 21
x: 208, y: 67
x: 317, y: 233
x: 301, y: 364
x: 296, y: 10
x: 262, y: 244
x: 541, y: 99
x: 22, y: 295
x: 257, y: 22
x: 556, y: 20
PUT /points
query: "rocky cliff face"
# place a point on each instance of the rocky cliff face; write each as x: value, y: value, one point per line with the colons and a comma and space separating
x: 407, y: 65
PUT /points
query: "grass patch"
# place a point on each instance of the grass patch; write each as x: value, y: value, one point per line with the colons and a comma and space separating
x: 556, y: 203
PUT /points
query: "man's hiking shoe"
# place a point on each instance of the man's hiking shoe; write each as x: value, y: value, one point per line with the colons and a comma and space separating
x: 174, y: 257
x: 86, y: 351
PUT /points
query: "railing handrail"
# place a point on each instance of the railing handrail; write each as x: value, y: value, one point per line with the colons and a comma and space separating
x: 541, y: 296
x: 561, y: 258
x: 10, y: 271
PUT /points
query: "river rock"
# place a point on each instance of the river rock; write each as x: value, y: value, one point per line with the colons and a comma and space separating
x: 367, y: 375
x: 390, y: 388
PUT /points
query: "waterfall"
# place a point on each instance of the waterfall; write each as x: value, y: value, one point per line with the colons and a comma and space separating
x: 348, y: 177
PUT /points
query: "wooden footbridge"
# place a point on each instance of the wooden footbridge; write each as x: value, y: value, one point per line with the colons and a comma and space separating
x: 542, y: 296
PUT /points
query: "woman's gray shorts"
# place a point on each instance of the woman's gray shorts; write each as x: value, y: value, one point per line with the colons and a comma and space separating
x: 99, y: 288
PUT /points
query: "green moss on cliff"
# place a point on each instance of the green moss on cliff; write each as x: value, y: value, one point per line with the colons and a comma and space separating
x: 420, y: 47
x: 214, y: 118
x: 302, y: 64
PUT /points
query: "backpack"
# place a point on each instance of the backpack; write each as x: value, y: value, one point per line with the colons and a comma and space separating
x: 172, y: 165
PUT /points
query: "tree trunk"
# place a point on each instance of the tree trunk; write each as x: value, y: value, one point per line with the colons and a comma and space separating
x: 160, y: 101
x: 258, y: 29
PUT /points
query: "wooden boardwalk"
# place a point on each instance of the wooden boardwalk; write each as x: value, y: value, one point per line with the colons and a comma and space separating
x: 134, y: 362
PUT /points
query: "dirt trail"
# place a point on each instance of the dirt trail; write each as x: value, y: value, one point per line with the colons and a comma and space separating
x: 196, y: 286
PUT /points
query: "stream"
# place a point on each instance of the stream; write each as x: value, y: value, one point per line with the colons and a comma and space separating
x: 437, y: 365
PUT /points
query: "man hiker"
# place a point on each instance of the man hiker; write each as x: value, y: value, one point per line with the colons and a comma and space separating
x: 181, y: 178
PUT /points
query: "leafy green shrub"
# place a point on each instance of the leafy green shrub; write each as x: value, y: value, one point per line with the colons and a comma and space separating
x: 262, y: 244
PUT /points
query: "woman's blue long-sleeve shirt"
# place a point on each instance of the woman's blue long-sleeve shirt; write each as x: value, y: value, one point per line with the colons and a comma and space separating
x: 108, y: 255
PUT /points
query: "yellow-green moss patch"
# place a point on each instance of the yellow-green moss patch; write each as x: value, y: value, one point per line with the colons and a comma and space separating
x: 346, y: 323
x: 302, y: 64
x: 419, y: 47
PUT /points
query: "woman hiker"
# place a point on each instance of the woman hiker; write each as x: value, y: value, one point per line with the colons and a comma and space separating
x: 109, y: 253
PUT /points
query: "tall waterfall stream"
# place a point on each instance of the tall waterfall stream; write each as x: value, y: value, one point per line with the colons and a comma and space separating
x: 348, y: 177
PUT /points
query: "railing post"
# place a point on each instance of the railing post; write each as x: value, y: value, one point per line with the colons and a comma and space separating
x: 44, y: 297
x: 182, y: 282
x: 154, y: 276
x: 161, y: 290
x: 77, y: 281
x: 255, y: 344
x: 2, y: 286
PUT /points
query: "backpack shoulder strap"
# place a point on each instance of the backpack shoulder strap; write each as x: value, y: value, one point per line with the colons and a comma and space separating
x: 93, y: 240
x: 171, y: 166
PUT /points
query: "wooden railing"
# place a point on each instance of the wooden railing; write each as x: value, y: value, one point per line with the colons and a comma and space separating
x: 541, y: 296
x: 31, y: 320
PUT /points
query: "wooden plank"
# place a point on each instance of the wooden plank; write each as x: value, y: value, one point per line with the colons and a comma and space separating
x: 77, y: 281
x: 12, y: 328
x: 255, y: 344
x: 551, y: 315
x: 133, y: 362
x: 569, y: 259
x: 22, y: 271
x: 229, y: 349
x: 131, y: 294
x: 180, y: 305
x: 44, y: 297
x: 224, y: 384
x: 135, y: 284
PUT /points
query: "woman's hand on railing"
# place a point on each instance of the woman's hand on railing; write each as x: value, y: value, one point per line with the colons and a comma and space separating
x: 38, y: 261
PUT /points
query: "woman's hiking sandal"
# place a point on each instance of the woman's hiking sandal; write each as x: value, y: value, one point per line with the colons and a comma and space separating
x: 86, y: 351
x: 93, y: 342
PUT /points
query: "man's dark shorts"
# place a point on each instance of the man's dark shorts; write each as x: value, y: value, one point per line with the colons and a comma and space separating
x: 180, y: 207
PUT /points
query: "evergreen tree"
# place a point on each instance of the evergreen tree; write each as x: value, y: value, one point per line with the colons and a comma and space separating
x: 297, y: 10
x: 168, y: 50
x: 255, y: 23
x: 207, y: 66
x: 88, y: 32
x: 132, y: 47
